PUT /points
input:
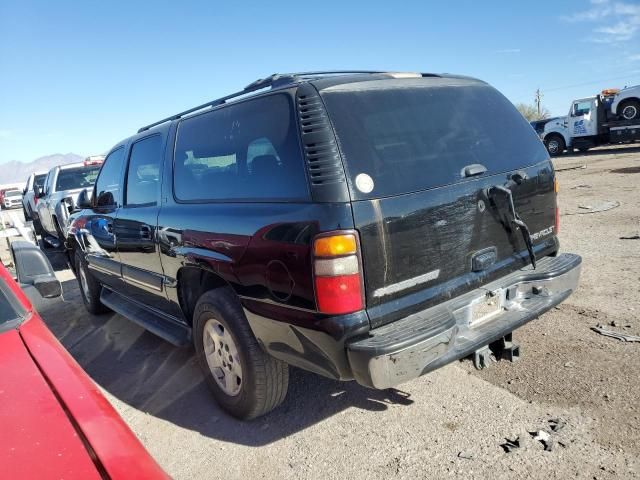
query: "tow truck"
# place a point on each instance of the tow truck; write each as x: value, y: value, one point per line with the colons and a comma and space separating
x: 611, y: 117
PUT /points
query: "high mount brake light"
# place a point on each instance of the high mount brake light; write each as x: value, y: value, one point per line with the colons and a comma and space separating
x: 337, y: 272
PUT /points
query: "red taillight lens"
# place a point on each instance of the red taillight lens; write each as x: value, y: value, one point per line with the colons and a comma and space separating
x: 338, y: 276
x: 341, y: 294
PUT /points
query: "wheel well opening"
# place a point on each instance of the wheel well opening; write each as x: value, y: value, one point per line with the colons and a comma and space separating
x: 192, y: 283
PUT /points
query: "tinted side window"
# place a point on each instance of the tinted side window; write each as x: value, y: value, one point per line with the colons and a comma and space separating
x: 108, y: 182
x: 143, y: 173
x: 244, y: 151
x: 39, y: 180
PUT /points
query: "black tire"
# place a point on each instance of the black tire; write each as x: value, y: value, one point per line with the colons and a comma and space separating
x: 264, y: 379
x: 90, y: 293
x: 37, y: 226
x: 555, y: 145
x: 629, y: 109
x: 59, y: 233
x: 27, y: 217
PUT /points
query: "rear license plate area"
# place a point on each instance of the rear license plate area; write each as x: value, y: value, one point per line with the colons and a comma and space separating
x: 486, y: 308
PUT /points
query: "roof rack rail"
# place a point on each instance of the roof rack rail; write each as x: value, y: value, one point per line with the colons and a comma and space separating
x: 270, y: 81
x: 274, y: 80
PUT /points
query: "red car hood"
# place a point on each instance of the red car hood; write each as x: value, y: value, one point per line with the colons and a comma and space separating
x: 54, y: 421
x: 38, y: 439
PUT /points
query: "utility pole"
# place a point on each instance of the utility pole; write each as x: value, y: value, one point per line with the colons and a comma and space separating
x: 538, y: 99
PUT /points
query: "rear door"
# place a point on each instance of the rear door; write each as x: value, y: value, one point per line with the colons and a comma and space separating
x: 136, y: 225
x: 421, y: 157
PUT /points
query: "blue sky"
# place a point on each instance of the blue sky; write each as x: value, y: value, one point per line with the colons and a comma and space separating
x: 79, y: 76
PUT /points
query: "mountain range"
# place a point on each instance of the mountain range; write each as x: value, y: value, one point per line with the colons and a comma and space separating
x: 18, y: 172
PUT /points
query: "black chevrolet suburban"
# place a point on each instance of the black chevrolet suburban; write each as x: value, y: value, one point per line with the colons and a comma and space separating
x: 360, y: 225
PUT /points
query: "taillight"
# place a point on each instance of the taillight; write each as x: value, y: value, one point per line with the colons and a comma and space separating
x: 337, y: 272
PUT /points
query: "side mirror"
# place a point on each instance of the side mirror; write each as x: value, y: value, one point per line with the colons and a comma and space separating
x: 39, y: 191
x: 84, y: 199
x: 34, y: 270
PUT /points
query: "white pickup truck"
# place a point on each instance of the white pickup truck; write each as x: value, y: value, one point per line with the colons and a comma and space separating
x: 59, y: 194
x: 608, y: 118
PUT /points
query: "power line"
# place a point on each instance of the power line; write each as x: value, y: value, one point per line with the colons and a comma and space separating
x: 592, y: 82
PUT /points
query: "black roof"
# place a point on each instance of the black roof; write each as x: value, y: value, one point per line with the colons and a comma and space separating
x: 321, y: 79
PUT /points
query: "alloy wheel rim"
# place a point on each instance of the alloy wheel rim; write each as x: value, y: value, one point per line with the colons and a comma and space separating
x: 553, y: 146
x: 630, y: 112
x: 84, y: 283
x: 222, y: 357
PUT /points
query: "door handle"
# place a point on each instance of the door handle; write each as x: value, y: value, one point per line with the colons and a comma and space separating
x: 145, y: 232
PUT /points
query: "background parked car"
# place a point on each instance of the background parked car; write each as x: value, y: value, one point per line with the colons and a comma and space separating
x: 58, y: 196
x: 12, y: 199
x: 4, y: 191
x: 55, y: 421
x: 29, y: 195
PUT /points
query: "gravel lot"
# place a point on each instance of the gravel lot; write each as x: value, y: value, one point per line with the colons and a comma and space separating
x: 448, y: 423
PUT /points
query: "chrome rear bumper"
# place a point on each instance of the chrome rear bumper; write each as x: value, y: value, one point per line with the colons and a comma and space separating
x: 427, y: 340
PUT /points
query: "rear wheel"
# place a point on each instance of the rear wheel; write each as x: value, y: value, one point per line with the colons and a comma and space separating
x: 246, y: 381
x: 555, y: 145
x: 90, y: 288
x: 630, y: 109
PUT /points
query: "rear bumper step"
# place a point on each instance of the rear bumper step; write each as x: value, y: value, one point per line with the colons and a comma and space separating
x: 427, y: 340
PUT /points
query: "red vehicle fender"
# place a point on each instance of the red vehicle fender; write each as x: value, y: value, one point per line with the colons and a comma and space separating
x: 113, y: 446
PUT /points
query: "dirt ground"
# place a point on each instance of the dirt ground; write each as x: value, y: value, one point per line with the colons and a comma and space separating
x: 565, y: 362
x: 450, y: 423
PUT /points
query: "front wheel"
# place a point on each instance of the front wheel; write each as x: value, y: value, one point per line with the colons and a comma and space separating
x: 90, y: 288
x: 555, y: 145
x: 245, y: 381
x: 630, y: 109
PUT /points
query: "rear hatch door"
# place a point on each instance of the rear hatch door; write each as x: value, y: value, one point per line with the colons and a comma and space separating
x: 421, y: 157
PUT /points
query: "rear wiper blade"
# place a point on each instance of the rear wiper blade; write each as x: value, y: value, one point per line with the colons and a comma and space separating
x: 517, y: 221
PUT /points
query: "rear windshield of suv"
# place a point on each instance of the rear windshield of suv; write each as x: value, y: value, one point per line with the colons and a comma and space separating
x: 80, y: 177
x: 407, y: 135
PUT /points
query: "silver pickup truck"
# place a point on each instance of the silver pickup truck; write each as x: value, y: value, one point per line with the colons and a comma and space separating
x: 58, y: 196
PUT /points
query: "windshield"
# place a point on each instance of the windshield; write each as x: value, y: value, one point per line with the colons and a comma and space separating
x: 80, y: 177
x: 9, y: 312
x: 13, y: 193
x: 404, y: 136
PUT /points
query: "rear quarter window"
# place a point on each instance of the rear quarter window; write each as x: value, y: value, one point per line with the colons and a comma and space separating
x: 411, y: 135
x: 244, y: 151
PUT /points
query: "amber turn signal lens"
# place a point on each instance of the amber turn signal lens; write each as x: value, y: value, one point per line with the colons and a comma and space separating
x: 335, y: 245
x: 556, y: 185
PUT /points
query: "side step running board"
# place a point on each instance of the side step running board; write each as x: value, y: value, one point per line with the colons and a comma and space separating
x: 51, y: 241
x: 161, y: 325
